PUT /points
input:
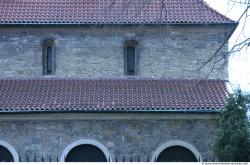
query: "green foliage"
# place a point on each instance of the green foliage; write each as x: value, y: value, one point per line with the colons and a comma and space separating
x: 232, y: 142
x: 247, y: 98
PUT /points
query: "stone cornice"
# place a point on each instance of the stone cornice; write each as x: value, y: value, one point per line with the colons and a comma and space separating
x: 106, y: 116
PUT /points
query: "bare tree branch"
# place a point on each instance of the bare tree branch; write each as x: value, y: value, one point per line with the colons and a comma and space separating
x: 223, y: 44
x: 240, y: 46
x: 145, y: 5
x: 163, y: 8
x: 241, y: 1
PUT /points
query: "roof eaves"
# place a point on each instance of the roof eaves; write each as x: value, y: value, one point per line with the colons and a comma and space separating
x: 115, y: 24
x: 217, y: 12
x: 182, y: 111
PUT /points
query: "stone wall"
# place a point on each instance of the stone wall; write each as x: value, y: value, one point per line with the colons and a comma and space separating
x: 164, y: 51
x: 122, y: 137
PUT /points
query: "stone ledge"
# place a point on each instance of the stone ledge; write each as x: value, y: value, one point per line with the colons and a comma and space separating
x: 105, y: 116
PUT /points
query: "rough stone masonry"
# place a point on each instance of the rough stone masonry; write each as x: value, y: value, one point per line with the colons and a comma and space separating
x: 163, y: 52
x: 122, y: 137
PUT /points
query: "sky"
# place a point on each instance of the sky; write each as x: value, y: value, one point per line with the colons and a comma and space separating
x: 239, y: 63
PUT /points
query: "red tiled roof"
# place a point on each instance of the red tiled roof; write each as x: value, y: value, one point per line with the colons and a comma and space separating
x: 108, y: 12
x: 107, y: 95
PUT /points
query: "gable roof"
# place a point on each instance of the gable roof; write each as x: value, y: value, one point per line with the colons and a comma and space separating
x: 110, y: 95
x: 109, y: 12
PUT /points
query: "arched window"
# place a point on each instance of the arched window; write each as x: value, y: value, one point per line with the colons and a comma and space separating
x: 48, y: 57
x: 130, y: 58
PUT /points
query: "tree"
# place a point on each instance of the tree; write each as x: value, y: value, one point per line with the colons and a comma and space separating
x: 232, y: 141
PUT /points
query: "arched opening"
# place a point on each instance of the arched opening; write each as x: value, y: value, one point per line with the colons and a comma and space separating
x: 176, y: 151
x: 49, y: 60
x: 5, y: 155
x: 85, y: 153
x: 176, y: 154
x: 130, y: 60
x: 85, y: 150
x: 131, y: 57
x: 49, y: 57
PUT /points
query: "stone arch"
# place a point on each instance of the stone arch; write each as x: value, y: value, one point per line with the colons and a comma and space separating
x: 80, y: 142
x: 11, y: 149
x: 179, y: 143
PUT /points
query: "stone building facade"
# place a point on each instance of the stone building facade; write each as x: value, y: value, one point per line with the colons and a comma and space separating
x: 99, y: 51
x: 124, y: 136
x: 83, y: 85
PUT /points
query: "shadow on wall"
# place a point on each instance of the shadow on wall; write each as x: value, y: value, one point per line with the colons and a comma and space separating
x: 132, y: 158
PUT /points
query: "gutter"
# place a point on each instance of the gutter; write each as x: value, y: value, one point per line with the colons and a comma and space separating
x: 99, y: 24
x: 120, y: 111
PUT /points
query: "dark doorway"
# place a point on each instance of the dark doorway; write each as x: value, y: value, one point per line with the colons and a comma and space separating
x: 176, y: 154
x: 5, y: 155
x: 86, y: 153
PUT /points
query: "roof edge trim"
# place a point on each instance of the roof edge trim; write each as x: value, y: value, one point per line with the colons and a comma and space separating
x: 120, y: 111
x: 115, y: 24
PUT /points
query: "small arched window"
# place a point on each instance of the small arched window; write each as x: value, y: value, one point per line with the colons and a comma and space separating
x: 49, y: 57
x: 131, y: 58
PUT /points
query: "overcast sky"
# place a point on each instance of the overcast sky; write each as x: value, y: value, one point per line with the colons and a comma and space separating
x: 239, y: 64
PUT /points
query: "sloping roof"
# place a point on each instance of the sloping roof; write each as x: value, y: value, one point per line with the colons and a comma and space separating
x: 109, y: 12
x: 108, y: 95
